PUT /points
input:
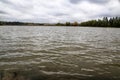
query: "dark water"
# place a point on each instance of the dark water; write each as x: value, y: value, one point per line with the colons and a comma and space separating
x: 61, y: 53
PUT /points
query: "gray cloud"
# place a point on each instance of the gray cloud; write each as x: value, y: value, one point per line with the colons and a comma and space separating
x: 57, y: 10
x: 99, y: 1
x: 75, y: 1
x: 2, y: 12
x: 5, y: 1
x: 60, y: 14
x: 92, y: 1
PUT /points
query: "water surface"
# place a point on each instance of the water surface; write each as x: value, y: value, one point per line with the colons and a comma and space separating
x: 61, y: 52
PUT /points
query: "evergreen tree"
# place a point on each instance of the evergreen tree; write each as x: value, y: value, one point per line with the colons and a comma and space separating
x: 105, y: 22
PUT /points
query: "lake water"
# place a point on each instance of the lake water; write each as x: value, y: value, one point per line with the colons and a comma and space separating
x: 62, y: 53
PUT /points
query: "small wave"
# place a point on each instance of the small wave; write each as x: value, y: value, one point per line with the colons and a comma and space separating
x: 66, y: 73
x: 69, y: 48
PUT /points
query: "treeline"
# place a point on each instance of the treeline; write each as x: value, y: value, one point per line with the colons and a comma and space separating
x: 19, y: 23
x: 105, y: 22
x: 68, y: 24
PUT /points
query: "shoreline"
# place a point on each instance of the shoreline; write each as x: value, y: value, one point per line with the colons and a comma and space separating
x: 62, y: 26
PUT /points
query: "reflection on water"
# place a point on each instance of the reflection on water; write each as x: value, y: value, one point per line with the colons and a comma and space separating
x: 61, y: 52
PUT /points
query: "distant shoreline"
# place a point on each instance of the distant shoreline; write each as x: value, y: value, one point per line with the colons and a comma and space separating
x: 105, y: 22
x: 61, y: 26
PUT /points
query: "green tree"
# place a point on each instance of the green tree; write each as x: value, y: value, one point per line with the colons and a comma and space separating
x: 68, y: 24
x: 75, y: 23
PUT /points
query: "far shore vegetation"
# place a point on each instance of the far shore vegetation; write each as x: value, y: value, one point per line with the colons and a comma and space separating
x: 105, y: 22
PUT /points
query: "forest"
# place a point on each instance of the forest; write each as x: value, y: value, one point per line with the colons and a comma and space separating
x: 20, y: 23
x: 105, y: 22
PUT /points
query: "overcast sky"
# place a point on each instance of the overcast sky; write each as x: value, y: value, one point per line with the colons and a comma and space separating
x: 51, y: 11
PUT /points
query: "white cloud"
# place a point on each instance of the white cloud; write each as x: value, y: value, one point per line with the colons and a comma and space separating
x: 57, y: 10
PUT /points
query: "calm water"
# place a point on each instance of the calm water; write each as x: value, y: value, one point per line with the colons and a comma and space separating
x: 65, y: 53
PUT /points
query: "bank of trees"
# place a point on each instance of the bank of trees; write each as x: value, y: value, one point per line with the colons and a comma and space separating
x: 19, y: 23
x: 105, y: 22
x: 68, y: 24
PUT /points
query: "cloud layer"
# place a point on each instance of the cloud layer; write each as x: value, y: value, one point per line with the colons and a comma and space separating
x: 51, y: 11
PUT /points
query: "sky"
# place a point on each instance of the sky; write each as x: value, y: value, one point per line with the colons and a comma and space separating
x: 53, y: 11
